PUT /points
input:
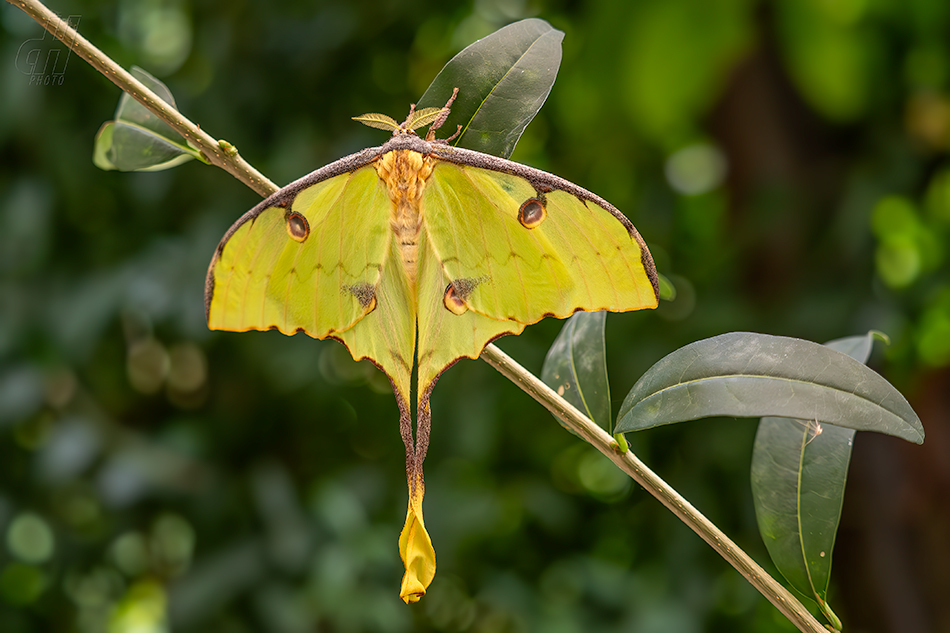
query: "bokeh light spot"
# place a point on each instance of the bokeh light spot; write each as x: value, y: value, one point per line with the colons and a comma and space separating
x: 173, y: 541
x: 601, y: 478
x: 893, y: 215
x: 898, y: 263
x: 696, y: 169
x: 933, y: 336
x: 147, y: 364
x: 130, y: 553
x: 160, y: 30
x: 188, y: 368
x: 30, y: 538
x: 21, y: 584
x: 141, y: 610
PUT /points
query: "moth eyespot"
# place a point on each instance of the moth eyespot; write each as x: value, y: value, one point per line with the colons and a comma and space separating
x: 532, y: 213
x: 453, y: 302
x: 365, y: 294
x: 297, y: 227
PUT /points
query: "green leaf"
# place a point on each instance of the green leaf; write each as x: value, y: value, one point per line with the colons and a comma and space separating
x: 799, y: 470
x: 503, y: 80
x: 743, y: 374
x: 127, y: 147
x: 576, y: 366
x: 101, y: 148
x: 667, y: 289
x: 131, y: 111
x: 137, y: 140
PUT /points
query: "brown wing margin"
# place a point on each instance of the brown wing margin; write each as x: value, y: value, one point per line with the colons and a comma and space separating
x: 284, y: 197
x: 544, y: 182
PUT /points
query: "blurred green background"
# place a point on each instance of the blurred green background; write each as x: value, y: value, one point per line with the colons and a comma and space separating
x: 787, y: 162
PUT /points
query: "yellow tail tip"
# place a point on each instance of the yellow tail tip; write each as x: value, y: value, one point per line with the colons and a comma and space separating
x: 417, y: 553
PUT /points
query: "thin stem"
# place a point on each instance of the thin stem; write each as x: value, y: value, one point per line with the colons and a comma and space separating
x: 228, y: 160
x: 778, y: 595
x: 220, y: 155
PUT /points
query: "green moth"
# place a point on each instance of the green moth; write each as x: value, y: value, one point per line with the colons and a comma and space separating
x: 418, y: 253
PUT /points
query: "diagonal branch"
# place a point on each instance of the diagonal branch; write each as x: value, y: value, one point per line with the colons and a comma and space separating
x: 223, y: 155
x: 217, y: 153
x: 778, y: 595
